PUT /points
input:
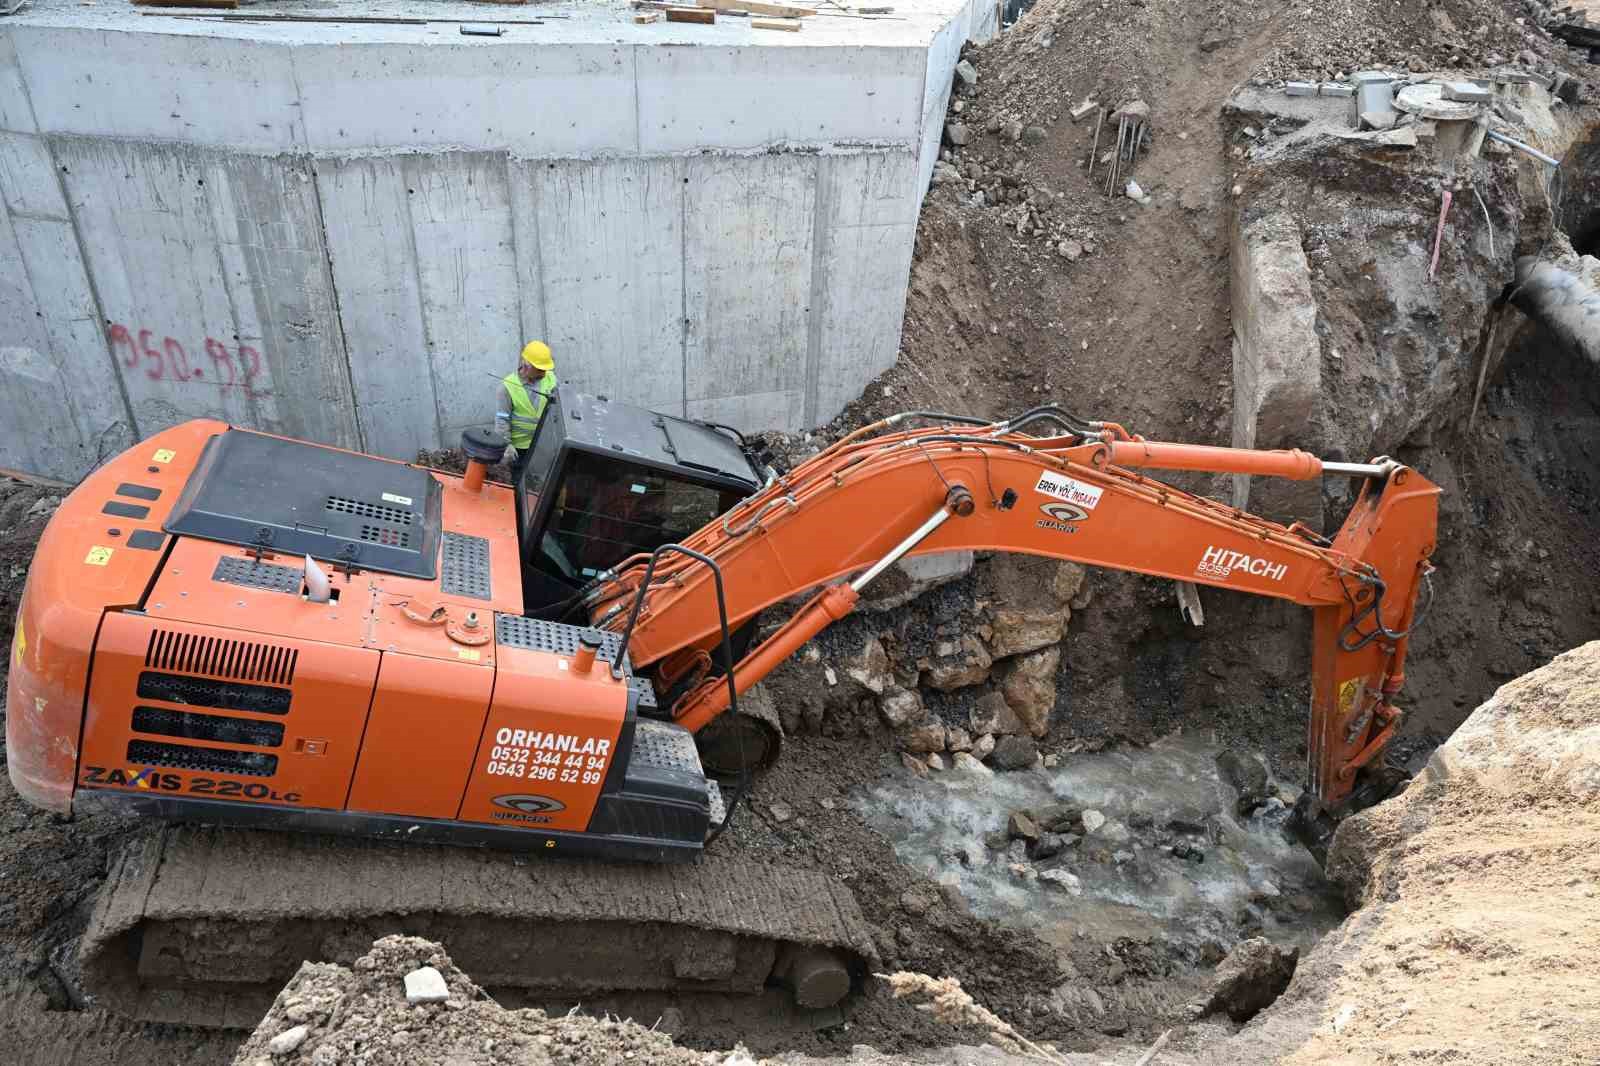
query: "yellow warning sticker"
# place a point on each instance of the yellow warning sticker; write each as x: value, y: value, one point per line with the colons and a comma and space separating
x: 469, y: 654
x: 163, y: 455
x: 1348, y: 691
x: 97, y: 556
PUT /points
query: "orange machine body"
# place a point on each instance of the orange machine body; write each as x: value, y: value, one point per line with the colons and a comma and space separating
x: 170, y: 649
x: 135, y: 669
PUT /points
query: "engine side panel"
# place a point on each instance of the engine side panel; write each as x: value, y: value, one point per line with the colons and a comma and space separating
x: 224, y: 714
x: 421, y: 736
x: 550, y: 737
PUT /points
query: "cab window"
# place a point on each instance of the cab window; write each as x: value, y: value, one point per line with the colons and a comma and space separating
x: 607, y: 510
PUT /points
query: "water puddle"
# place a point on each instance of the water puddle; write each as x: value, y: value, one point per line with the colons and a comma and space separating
x: 1151, y: 845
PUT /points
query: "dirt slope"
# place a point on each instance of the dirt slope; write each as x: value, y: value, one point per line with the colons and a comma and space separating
x: 1479, y: 892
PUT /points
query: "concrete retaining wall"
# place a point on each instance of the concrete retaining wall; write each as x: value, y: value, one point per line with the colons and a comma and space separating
x: 342, y: 232
x: 1277, y: 362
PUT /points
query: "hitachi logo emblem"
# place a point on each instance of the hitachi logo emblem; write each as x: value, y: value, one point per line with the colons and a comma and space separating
x: 1222, y: 562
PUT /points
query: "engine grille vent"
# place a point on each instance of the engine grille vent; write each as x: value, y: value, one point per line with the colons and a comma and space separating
x: 238, y: 570
x: 361, y: 508
x: 192, y: 653
x: 393, y: 538
x: 190, y: 726
x: 209, y: 760
x: 464, y: 569
x: 204, y: 692
x: 534, y: 634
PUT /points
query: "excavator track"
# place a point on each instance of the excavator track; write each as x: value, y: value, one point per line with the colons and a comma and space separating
x: 202, y: 926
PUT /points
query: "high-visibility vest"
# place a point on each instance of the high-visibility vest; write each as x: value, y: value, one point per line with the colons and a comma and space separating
x: 526, y: 409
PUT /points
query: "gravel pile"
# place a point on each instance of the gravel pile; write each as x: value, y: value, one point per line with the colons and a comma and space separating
x: 405, y: 1002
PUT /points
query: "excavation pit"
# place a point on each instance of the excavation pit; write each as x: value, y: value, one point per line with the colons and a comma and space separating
x: 1148, y: 843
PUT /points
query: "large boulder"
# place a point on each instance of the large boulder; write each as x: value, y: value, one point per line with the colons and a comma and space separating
x: 910, y: 578
x: 1251, y: 976
x: 1015, y: 753
x: 1247, y: 774
x: 1020, y: 618
x: 966, y: 664
x: 1029, y: 688
x: 869, y: 667
x: 901, y: 707
x: 1017, y: 630
x: 923, y: 738
x: 992, y: 715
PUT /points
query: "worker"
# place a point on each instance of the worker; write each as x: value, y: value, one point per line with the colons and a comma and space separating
x: 523, y: 395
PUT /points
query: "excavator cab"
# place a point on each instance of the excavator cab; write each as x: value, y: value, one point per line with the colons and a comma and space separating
x: 607, y: 481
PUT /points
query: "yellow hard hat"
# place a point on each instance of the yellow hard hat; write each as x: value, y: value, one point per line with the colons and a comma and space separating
x: 537, y: 355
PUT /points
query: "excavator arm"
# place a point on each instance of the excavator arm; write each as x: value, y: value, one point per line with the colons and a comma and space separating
x: 877, y: 496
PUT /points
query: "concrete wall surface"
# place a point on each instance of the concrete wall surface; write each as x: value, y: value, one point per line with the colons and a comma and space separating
x: 343, y: 232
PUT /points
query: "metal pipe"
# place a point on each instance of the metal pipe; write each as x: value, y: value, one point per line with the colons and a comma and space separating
x: 1519, y: 146
x: 1566, y: 305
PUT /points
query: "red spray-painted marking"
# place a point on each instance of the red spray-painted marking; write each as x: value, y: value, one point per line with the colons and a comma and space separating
x: 236, y: 368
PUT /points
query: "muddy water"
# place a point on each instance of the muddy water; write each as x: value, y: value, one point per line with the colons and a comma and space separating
x: 1232, y: 876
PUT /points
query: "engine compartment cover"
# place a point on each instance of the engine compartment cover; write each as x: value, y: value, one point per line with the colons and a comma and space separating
x: 288, y: 496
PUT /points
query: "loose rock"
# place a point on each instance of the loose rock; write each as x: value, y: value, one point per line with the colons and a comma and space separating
x: 924, y: 738
x: 289, y: 1039
x: 426, y: 985
x: 900, y: 707
x: 1020, y: 827
x: 1015, y: 753
x: 1248, y: 775
x: 1029, y: 689
x: 964, y: 761
x: 993, y: 715
x: 1253, y: 975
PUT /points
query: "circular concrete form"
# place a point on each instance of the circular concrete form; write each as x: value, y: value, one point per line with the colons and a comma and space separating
x: 1427, y: 101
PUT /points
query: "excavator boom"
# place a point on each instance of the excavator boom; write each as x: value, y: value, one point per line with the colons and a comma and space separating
x: 871, y: 499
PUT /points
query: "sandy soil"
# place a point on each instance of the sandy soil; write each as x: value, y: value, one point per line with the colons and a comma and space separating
x: 1479, y: 918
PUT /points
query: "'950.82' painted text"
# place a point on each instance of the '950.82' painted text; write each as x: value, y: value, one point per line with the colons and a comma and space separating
x: 238, y: 367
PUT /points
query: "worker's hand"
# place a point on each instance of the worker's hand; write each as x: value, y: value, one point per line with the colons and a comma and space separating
x: 510, y: 456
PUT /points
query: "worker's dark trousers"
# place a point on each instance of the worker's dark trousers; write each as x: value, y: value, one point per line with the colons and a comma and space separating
x: 519, y: 464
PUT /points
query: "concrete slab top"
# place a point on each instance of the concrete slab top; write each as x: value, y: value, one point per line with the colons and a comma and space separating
x: 912, y: 24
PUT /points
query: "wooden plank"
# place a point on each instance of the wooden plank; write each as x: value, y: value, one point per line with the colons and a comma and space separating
x: 691, y: 14
x: 644, y: 18
x: 757, y: 7
x: 34, y: 479
x: 787, y: 25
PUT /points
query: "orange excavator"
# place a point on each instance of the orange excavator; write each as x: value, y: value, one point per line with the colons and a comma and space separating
x: 235, y: 633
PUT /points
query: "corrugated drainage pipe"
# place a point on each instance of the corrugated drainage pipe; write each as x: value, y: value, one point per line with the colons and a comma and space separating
x: 1563, y: 303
